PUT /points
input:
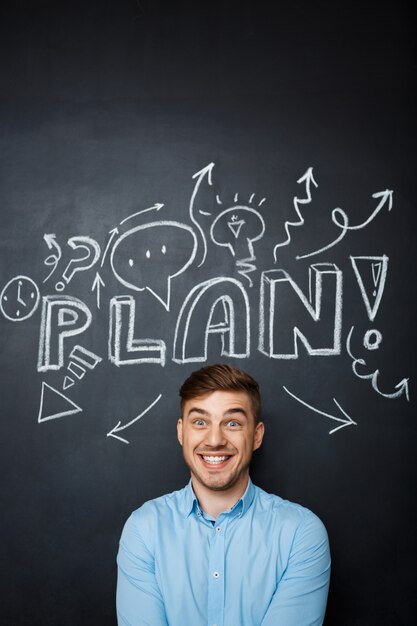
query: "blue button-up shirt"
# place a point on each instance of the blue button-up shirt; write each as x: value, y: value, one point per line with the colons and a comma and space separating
x: 265, y: 562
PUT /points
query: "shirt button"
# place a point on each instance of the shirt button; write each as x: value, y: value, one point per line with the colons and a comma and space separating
x: 216, y: 574
x: 219, y: 530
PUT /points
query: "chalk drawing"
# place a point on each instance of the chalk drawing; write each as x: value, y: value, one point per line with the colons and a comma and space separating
x: 149, y: 256
x: 19, y: 298
x: 237, y: 229
x: 97, y: 284
x: 348, y: 421
x: 200, y: 176
x: 80, y: 358
x: 221, y: 297
x: 112, y: 233
x: 118, y: 428
x: 123, y: 348
x: 371, y: 273
x: 278, y: 332
x: 156, y: 207
x: 81, y: 263
x: 372, y: 339
x: 53, y: 259
x: 76, y: 370
x: 68, y: 382
x: 62, y: 317
x: 85, y: 357
x: 402, y: 387
x: 48, y: 404
x: 339, y: 214
x: 308, y: 179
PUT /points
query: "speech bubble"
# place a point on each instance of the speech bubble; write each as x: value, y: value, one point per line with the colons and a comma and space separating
x: 149, y: 256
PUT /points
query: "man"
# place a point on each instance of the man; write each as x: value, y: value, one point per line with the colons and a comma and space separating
x: 222, y: 552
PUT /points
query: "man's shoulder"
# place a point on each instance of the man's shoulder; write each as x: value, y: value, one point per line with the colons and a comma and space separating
x: 285, y: 512
x: 162, y: 504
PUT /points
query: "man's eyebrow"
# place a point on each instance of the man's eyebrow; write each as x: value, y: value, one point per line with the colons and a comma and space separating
x: 235, y: 410
x: 196, y: 409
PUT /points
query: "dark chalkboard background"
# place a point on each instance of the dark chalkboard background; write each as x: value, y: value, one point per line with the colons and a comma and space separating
x: 110, y: 107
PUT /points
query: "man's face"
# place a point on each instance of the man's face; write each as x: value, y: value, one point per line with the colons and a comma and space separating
x: 218, y: 435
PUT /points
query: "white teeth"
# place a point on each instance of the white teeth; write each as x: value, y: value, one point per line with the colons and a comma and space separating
x: 215, y: 459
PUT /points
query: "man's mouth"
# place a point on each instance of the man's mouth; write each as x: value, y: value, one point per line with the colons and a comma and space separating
x: 212, y: 460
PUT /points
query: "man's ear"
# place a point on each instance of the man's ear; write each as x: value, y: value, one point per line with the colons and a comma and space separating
x: 179, y: 431
x: 258, y: 435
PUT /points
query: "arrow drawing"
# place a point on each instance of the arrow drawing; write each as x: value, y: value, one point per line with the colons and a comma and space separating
x: 386, y: 197
x: 344, y: 422
x: 113, y: 232
x: 401, y: 387
x: 97, y: 283
x: 118, y: 428
x: 52, y: 259
x: 203, y: 173
x: 156, y: 207
x: 308, y: 179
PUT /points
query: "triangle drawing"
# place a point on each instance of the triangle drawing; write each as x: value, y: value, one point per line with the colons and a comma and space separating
x: 371, y: 273
x: 68, y: 382
x: 54, y: 404
x: 235, y: 227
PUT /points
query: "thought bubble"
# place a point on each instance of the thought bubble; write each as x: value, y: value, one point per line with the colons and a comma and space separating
x: 150, y: 255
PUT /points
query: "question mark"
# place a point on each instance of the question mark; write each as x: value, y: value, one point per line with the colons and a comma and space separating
x: 92, y: 255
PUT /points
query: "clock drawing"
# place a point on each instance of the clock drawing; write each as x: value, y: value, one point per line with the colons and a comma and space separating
x: 19, y: 298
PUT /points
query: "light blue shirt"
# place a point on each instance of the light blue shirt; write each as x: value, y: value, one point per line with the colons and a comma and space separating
x: 265, y: 562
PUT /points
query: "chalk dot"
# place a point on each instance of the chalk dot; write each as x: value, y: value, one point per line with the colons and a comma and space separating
x: 148, y: 254
x: 32, y: 294
x: 5, y: 298
x: 372, y: 339
x: 17, y: 313
x: 131, y: 262
x: 163, y: 249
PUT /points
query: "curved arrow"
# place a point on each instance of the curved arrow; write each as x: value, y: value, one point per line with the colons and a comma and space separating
x: 118, y: 428
x: 52, y: 259
x: 386, y: 196
x: 344, y: 422
x: 308, y: 179
x: 113, y: 232
x: 156, y: 207
x: 402, y: 386
x: 206, y: 171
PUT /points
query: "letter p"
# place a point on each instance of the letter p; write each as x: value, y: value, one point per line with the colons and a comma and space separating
x: 62, y: 317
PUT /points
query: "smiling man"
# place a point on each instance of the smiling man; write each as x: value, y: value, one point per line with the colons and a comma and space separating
x: 221, y: 551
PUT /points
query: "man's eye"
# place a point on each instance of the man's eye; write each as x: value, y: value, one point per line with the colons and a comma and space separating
x: 233, y: 423
x: 199, y: 422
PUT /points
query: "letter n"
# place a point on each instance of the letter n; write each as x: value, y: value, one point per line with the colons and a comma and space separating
x: 287, y: 316
x: 216, y: 306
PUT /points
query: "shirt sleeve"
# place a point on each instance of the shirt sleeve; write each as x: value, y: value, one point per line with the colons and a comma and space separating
x: 301, y: 595
x: 138, y: 597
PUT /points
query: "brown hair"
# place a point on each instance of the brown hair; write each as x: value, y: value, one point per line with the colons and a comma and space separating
x: 221, y: 377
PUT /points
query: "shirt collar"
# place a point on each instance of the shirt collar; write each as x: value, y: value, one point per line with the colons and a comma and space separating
x: 190, y: 502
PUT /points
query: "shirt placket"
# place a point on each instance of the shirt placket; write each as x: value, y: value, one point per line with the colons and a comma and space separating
x: 216, y: 573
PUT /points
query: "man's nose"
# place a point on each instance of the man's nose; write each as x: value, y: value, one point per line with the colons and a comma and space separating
x: 215, y: 436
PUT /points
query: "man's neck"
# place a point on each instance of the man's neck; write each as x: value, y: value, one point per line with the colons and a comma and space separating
x: 215, y: 502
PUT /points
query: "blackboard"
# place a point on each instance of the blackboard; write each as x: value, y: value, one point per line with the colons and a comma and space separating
x: 187, y: 183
